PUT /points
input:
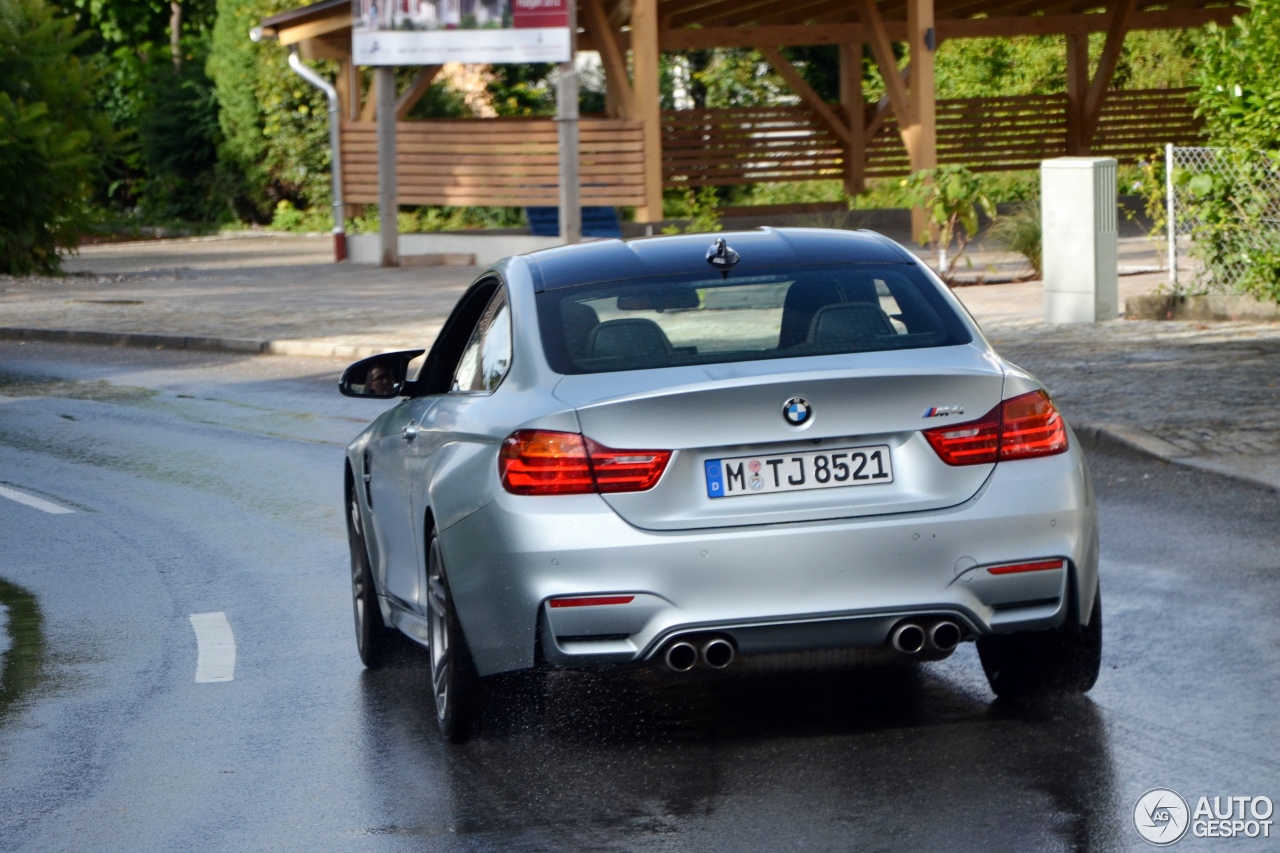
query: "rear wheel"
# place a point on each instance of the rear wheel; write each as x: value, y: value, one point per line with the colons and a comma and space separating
x: 454, y: 683
x: 372, y: 636
x: 1063, y: 660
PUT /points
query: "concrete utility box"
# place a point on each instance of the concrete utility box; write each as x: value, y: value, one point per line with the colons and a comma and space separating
x: 1078, y: 232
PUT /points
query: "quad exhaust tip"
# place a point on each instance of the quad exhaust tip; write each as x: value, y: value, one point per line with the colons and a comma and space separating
x: 908, y: 638
x: 718, y: 653
x: 944, y: 636
x: 681, y: 656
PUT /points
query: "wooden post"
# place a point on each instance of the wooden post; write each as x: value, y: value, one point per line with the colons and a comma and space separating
x: 644, y: 50
x: 567, y: 133
x: 855, y: 157
x: 388, y: 231
x: 922, y: 137
x: 1077, y: 88
x: 1117, y: 29
x: 619, y: 99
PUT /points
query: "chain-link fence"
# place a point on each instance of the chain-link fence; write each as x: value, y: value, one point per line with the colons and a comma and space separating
x: 1223, y: 209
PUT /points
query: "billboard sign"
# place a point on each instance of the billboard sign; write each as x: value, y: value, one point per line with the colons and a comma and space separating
x: 433, y: 32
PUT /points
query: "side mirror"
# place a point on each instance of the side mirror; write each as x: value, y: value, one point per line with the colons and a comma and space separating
x: 379, y: 377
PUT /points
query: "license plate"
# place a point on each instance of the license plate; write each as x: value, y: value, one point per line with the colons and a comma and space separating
x: 796, y: 472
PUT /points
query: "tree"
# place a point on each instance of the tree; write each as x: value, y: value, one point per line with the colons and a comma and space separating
x: 50, y: 137
x: 275, y: 141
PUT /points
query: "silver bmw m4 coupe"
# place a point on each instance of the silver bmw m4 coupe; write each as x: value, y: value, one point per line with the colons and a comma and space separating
x: 754, y: 452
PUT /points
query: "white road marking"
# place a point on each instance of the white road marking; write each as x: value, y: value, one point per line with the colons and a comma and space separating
x: 216, y: 645
x: 33, y: 501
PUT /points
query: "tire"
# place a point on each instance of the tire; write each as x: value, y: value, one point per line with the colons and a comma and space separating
x: 1045, y: 663
x: 373, y: 638
x: 455, y: 686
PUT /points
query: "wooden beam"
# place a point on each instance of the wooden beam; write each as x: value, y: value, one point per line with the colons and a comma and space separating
x: 421, y: 83
x: 1117, y: 29
x: 1077, y: 88
x: 921, y: 136
x: 733, y: 13
x: 369, y: 111
x: 884, y: 108
x: 882, y: 49
x: 352, y: 72
x: 786, y: 35
x: 839, y: 31
x: 645, y: 64
x: 332, y: 46
x: 851, y: 100
x: 611, y: 56
x: 1047, y: 25
x: 311, y: 29
x: 788, y: 72
x: 762, y: 14
x: 342, y: 83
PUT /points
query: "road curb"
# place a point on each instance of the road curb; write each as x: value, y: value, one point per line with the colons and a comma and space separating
x: 1140, y: 441
x: 145, y: 340
x: 1131, y: 438
x: 193, y: 343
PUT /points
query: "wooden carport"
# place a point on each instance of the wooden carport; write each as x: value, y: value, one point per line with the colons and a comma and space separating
x: 630, y: 154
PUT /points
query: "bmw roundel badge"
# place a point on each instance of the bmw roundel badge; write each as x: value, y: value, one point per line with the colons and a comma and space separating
x: 797, y: 411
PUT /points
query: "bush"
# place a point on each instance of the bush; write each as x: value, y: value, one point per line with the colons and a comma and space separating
x: 50, y: 137
x: 1238, y: 93
x: 951, y: 197
x: 1020, y: 231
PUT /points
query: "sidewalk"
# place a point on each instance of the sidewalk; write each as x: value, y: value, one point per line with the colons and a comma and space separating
x: 1205, y: 395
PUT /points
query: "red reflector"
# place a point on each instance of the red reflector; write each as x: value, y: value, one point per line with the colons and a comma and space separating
x: 592, y: 600
x: 1021, y: 428
x: 543, y: 462
x: 1014, y: 569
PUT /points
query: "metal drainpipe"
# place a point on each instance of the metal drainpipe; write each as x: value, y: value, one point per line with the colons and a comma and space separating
x: 335, y: 146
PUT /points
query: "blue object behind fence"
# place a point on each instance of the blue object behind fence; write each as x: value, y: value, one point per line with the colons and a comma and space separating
x: 596, y: 221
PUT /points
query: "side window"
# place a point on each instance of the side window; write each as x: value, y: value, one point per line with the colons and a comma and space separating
x: 487, y: 356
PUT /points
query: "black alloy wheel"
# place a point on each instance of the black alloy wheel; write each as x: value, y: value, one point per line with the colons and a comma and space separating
x: 1063, y: 660
x: 372, y: 636
x: 454, y: 682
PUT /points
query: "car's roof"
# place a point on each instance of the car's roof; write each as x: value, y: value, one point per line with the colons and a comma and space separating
x: 766, y: 248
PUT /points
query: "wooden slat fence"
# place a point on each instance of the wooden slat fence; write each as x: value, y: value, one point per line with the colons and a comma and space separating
x: 499, y: 162
x: 747, y: 146
x: 758, y: 145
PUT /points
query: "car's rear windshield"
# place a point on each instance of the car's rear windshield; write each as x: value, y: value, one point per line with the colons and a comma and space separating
x: 642, y: 324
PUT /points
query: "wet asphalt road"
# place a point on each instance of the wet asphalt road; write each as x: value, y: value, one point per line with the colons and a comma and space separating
x: 212, y: 484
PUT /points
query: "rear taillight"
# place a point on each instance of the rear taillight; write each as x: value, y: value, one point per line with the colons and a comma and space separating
x: 1024, y: 427
x: 972, y: 443
x: 1031, y: 426
x: 542, y: 462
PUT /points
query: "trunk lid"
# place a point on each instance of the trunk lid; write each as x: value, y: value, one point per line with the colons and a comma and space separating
x: 858, y: 403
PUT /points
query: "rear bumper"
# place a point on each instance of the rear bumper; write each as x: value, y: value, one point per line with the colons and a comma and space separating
x: 774, y: 588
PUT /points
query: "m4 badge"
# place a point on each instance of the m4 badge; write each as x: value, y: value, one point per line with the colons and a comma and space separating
x: 943, y: 411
